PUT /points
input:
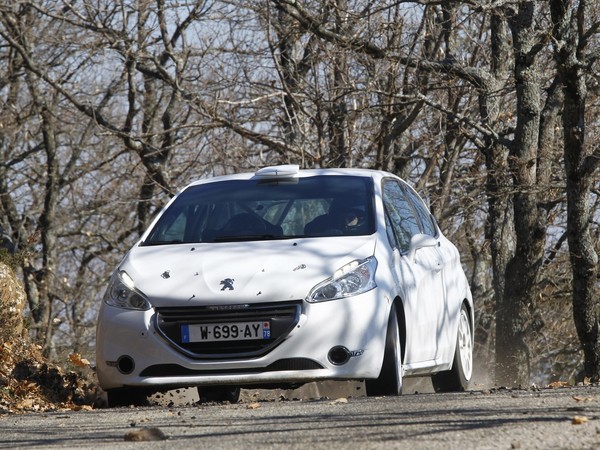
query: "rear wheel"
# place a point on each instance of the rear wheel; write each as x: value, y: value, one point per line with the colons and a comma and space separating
x: 127, y: 397
x: 229, y: 394
x: 389, y: 381
x: 457, y: 379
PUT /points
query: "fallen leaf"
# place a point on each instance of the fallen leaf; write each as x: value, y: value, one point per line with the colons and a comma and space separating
x: 78, y: 361
x: 253, y: 405
x: 26, y: 403
x: 559, y: 384
x: 582, y: 399
x: 145, y: 434
x: 82, y: 408
x: 337, y: 401
x: 579, y: 420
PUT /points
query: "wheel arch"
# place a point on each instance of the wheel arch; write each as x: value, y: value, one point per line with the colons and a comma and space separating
x: 471, y: 310
x: 401, y: 316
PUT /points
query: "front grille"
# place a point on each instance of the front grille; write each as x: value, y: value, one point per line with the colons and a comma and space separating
x: 173, y: 370
x: 282, y: 317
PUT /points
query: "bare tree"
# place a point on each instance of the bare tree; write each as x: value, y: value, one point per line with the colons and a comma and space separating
x: 118, y: 104
x: 60, y: 82
x: 18, y: 25
x: 575, y: 33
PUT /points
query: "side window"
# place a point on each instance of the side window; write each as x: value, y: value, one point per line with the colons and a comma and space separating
x: 401, y: 214
x: 424, y: 215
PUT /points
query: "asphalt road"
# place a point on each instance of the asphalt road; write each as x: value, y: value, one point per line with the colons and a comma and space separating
x: 564, y: 418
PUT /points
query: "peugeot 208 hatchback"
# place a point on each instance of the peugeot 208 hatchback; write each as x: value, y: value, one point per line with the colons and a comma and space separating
x: 286, y: 276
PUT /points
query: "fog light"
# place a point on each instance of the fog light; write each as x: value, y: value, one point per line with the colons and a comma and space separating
x: 125, y: 364
x: 338, y: 355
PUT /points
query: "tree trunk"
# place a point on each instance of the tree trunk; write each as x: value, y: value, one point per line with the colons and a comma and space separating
x: 522, y: 271
x: 337, y: 112
x: 40, y: 281
x: 499, y: 231
x: 580, y: 165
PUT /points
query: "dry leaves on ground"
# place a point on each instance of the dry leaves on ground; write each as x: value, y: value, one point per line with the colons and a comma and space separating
x: 29, y: 383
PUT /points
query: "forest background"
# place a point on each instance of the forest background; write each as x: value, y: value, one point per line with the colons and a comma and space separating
x: 490, y: 109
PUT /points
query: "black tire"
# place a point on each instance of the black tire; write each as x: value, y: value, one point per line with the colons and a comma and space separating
x: 458, y: 378
x: 127, y: 397
x: 219, y: 394
x: 389, y: 381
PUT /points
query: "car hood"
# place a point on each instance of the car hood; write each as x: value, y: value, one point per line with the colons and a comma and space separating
x: 249, y: 272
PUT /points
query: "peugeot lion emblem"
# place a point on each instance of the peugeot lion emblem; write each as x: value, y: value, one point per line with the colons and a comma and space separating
x: 227, y: 283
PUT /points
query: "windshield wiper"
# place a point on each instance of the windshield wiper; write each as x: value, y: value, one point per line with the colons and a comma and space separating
x: 248, y: 237
x: 173, y: 241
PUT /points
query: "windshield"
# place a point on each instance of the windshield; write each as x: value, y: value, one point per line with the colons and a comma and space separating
x: 238, y: 210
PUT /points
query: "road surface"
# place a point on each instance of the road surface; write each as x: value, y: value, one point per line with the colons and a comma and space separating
x: 563, y: 418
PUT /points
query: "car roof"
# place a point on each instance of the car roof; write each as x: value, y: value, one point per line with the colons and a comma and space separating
x: 290, y: 171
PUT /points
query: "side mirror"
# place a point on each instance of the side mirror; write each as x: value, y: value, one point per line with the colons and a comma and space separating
x: 419, y: 241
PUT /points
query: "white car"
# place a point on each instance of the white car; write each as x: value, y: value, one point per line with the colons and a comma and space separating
x: 282, y: 277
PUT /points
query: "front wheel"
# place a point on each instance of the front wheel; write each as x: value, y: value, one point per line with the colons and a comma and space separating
x: 389, y: 381
x: 457, y: 379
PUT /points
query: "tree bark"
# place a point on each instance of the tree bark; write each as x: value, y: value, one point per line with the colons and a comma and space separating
x: 522, y: 271
x: 580, y: 165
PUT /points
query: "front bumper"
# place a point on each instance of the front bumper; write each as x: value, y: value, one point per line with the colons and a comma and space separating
x: 127, y: 341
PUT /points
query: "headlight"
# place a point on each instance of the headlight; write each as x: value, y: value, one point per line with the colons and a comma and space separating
x: 122, y: 294
x: 354, y: 278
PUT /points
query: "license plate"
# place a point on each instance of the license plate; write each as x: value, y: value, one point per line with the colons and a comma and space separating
x: 240, y: 331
